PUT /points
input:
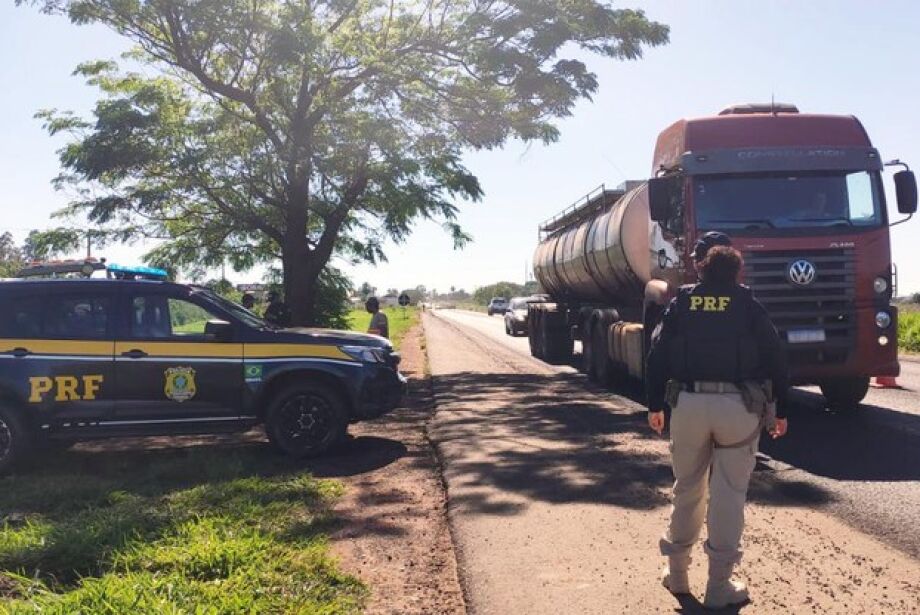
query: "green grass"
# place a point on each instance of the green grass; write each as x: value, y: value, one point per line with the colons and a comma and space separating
x: 199, y: 530
x: 400, y: 321
x: 909, y: 331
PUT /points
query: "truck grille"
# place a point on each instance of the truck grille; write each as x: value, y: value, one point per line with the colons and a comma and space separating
x: 826, y: 303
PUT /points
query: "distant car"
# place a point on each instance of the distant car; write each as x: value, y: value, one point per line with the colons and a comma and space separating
x: 516, y: 316
x: 497, y: 305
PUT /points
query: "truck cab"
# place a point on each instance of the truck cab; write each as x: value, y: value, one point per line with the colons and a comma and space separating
x: 801, y: 196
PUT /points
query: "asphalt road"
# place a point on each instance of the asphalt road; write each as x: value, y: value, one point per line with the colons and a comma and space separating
x: 864, y: 469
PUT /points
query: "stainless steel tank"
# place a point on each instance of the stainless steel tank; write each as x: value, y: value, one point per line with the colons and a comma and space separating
x: 604, y: 258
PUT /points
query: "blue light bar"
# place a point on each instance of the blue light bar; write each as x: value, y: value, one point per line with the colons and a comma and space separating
x: 136, y: 272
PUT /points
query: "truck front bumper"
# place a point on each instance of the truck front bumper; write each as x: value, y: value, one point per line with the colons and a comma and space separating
x: 867, y: 358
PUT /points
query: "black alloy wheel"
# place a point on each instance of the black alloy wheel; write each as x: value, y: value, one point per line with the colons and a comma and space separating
x: 13, y: 440
x: 306, y: 420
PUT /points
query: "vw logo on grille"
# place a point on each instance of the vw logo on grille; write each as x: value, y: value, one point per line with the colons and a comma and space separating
x: 802, y: 272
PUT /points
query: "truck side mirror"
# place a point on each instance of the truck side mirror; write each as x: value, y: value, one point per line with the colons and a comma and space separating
x: 663, y: 197
x: 905, y: 186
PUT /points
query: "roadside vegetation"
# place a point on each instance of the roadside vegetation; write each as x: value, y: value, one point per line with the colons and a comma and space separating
x: 909, y: 329
x: 401, y: 320
x: 199, y: 530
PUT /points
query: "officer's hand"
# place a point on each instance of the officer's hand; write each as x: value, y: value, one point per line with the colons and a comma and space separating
x: 779, y: 429
x: 656, y: 421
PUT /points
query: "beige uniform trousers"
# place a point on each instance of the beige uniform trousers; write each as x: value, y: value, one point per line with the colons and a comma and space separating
x: 699, y: 420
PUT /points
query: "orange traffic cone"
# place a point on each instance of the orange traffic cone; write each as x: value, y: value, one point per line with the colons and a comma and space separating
x: 886, y: 382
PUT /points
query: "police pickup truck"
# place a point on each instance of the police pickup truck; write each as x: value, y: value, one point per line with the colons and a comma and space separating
x: 92, y: 358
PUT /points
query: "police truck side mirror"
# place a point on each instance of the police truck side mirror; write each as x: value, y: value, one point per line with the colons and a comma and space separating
x: 219, y: 330
x: 663, y: 197
x: 905, y: 186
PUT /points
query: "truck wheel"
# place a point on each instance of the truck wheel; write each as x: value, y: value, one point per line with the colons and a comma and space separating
x: 587, y: 353
x: 603, y: 366
x: 844, y: 395
x: 533, y: 336
x: 15, y: 440
x: 306, y: 420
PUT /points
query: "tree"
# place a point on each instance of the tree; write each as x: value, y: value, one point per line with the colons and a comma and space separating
x: 484, y: 294
x: 366, y: 290
x: 293, y: 130
x: 11, y: 256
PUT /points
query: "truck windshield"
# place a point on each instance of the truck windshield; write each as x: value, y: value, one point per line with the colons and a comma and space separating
x: 831, y: 200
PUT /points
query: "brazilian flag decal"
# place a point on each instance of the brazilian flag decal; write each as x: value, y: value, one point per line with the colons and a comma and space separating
x: 253, y: 372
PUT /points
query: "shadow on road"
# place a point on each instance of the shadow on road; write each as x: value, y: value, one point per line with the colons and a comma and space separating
x: 872, y: 444
x: 542, y: 438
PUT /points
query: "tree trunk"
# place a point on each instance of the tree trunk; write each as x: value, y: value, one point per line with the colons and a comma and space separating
x: 299, y: 278
x: 299, y: 284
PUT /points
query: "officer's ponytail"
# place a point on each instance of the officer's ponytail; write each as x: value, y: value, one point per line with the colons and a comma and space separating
x: 722, y: 265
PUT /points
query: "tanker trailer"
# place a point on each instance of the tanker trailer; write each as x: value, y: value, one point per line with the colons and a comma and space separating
x: 801, y: 196
x: 595, y: 260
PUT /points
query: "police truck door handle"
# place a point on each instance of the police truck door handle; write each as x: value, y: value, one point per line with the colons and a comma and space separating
x: 134, y: 353
x: 20, y: 352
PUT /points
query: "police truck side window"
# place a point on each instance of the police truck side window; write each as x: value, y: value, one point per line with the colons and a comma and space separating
x: 158, y: 316
x: 186, y: 318
x: 22, y: 318
x: 70, y: 317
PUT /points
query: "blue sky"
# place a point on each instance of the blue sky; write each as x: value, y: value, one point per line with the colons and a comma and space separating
x: 828, y: 57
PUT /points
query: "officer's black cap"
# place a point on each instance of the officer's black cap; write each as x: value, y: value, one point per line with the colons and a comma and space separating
x: 709, y: 240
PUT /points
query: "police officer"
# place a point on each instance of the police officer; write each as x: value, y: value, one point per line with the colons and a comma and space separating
x: 714, y: 356
x: 277, y: 311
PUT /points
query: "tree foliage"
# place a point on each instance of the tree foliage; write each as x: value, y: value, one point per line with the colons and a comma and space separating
x: 294, y: 131
x: 12, y: 258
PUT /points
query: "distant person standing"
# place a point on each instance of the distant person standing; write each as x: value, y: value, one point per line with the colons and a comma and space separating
x: 248, y: 301
x: 379, y: 323
x: 277, y: 312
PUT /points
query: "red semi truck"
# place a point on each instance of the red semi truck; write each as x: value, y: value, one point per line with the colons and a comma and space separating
x: 801, y: 196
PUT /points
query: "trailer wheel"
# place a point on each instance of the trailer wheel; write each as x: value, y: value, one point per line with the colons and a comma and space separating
x: 844, y: 395
x: 588, y: 352
x: 603, y: 366
x: 534, y: 331
x: 557, y: 343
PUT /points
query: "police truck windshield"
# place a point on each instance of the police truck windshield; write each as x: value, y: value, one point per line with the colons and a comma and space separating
x: 741, y: 204
x: 237, y: 310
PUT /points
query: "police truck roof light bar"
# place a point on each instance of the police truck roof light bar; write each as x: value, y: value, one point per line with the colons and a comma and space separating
x: 84, y: 267
x: 138, y: 272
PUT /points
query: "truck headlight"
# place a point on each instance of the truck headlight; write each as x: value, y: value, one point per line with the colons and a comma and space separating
x: 880, y: 285
x: 368, y: 354
x: 882, y: 320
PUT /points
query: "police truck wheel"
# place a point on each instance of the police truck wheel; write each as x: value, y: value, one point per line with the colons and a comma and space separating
x: 15, y: 440
x: 306, y: 420
x: 844, y: 395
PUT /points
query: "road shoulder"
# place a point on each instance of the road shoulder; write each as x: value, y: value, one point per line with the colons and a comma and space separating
x: 393, y: 531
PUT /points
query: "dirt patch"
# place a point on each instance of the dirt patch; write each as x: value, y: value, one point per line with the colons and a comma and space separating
x: 9, y: 589
x: 394, y: 534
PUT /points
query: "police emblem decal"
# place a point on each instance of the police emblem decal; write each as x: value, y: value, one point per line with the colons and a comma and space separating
x: 801, y: 272
x: 180, y: 383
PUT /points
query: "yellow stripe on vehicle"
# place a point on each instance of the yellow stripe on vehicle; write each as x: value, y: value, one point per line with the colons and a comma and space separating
x: 61, y: 347
x: 183, y: 349
x: 271, y: 351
